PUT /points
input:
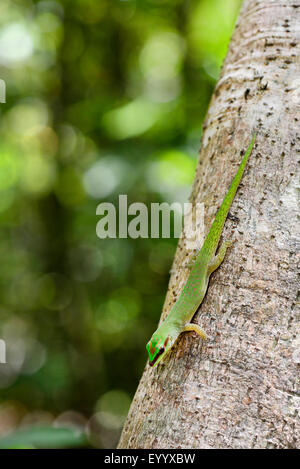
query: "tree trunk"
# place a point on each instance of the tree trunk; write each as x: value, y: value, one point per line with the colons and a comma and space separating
x: 241, y: 389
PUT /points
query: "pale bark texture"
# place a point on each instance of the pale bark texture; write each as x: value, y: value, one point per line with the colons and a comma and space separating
x: 241, y: 389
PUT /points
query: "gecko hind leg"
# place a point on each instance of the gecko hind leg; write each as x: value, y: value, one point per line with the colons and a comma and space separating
x: 197, y: 329
x: 218, y: 258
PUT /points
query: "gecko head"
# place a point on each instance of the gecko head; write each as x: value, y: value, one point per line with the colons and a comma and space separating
x: 158, y: 346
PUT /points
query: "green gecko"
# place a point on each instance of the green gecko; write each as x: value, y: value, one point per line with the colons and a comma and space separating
x: 206, y: 262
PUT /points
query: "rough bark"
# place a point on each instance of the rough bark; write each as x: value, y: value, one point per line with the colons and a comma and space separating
x: 240, y: 390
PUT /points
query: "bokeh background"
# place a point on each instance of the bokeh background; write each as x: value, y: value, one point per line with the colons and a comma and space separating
x: 104, y: 97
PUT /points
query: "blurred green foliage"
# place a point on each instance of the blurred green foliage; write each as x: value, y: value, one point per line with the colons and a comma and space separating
x: 36, y: 437
x: 103, y: 98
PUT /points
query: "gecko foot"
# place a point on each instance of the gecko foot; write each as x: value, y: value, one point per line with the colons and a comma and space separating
x: 197, y: 329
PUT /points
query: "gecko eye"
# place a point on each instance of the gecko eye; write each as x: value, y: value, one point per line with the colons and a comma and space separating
x: 161, y: 351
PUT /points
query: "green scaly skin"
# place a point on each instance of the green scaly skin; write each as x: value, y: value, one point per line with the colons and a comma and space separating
x: 206, y: 262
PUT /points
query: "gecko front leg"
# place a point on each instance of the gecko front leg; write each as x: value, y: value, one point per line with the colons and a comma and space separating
x: 195, y: 328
